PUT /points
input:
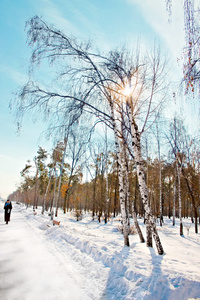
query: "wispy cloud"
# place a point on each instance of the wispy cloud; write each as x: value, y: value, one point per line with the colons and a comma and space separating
x: 54, y: 14
x: 17, y: 76
x: 156, y: 15
x: 82, y: 25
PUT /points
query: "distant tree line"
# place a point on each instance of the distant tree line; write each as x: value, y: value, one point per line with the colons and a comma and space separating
x: 180, y: 178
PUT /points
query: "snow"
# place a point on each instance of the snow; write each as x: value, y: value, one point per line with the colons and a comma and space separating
x: 87, y: 260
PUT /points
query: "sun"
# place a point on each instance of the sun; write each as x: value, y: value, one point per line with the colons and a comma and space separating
x: 127, y: 91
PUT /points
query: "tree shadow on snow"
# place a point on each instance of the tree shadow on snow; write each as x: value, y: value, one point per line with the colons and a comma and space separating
x: 116, y: 287
x: 123, y: 284
x: 171, y: 285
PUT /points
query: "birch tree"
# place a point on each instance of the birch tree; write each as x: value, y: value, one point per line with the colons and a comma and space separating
x: 179, y: 166
x: 140, y: 99
x: 127, y: 190
x: 106, y: 176
x: 41, y: 173
x: 176, y: 142
x: 122, y: 196
x: 189, y: 174
x: 77, y: 141
x: 160, y: 174
x: 91, y: 82
x: 179, y: 144
x: 61, y: 172
x: 191, y: 56
x: 192, y: 43
x: 83, y: 81
x: 57, y: 157
x: 27, y: 182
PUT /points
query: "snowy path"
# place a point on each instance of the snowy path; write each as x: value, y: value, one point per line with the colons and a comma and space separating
x: 28, y: 270
x: 86, y: 260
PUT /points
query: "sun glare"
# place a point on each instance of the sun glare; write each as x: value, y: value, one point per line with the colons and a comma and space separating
x: 127, y: 90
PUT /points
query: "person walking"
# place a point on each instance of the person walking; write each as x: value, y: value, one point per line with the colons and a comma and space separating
x: 7, y: 207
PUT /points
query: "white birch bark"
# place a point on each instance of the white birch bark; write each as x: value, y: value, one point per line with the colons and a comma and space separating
x: 160, y: 178
x: 36, y: 178
x: 179, y: 198
x: 160, y: 188
x: 142, y: 240
x: 141, y: 179
x: 106, y: 177
x: 45, y: 196
x: 127, y: 190
x: 175, y: 173
x: 120, y: 177
x: 125, y: 173
x: 54, y: 193
x: 149, y: 241
x: 60, y: 177
x: 174, y: 199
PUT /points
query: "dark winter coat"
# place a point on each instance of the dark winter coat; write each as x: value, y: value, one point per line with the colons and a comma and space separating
x: 7, y: 207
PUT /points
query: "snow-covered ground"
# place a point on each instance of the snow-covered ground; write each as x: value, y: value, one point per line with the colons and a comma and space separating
x: 87, y: 260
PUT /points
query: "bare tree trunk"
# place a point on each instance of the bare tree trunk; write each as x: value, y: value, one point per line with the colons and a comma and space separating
x: 160, y: 178
x: 149, y: 241
x: 192, y: 198
x: 120, y: 176
x: 65, y: 203
x: 179, y: 199
x: 45, y: 196
x: 106, y: 177
x: 169, y: 201
x: 115, y: 196
x: 94, y: 195
x: 67, y: 195
x: 141, y: 179
x: 68, y: 201
x: 174, y: 199
x: 160, y: 195
x: 36, y: 179
x: 54, y: 194
x: 125, y: 172
x: 60, y: 177
x: 142, y: 240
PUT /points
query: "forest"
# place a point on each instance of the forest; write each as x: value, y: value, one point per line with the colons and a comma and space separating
x: 100, y: 194
x: 119, y: 146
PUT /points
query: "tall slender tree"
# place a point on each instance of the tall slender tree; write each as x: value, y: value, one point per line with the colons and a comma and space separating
x: 191, y: 56
x: 93, y: 81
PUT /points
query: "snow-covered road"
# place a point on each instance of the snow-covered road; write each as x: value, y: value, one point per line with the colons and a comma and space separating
x: 86, y: 260
x: 28, y: 270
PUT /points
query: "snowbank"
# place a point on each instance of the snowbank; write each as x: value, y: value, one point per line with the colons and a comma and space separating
x: 93, y: 255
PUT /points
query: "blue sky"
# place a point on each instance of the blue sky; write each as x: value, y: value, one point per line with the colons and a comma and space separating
x: 108, y: 23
